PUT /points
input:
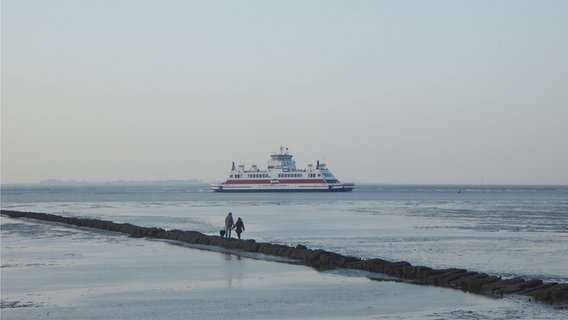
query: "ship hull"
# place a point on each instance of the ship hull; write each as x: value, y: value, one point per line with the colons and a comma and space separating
x: 344, y: 187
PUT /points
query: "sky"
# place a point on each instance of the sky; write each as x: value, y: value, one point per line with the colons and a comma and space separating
x: 425, y: 92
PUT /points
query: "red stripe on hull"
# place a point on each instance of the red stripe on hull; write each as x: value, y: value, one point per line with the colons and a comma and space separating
x: 281, y: 181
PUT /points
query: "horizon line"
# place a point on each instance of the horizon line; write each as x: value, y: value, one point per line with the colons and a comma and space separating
x: 51, y: 182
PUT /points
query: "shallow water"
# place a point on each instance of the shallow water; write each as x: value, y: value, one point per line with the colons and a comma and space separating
x: 53, y: 271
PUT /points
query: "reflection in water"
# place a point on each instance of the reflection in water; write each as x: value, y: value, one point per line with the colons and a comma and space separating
x: 234, y: 269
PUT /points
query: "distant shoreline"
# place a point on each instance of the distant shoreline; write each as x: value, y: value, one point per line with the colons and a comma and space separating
x: 55, y: 182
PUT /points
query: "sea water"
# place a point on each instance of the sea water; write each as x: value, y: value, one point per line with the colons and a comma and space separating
x: 55, y: 271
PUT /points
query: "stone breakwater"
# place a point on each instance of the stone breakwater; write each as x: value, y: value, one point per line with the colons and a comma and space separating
x: 319, y: 259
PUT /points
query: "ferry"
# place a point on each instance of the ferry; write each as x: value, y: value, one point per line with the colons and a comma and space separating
x: 281, y: 175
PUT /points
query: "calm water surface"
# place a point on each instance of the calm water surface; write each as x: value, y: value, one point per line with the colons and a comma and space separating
x: 73, y: 273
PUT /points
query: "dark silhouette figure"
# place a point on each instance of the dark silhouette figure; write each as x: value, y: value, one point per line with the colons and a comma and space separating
x: 229, y: 223
x: 239, y: 227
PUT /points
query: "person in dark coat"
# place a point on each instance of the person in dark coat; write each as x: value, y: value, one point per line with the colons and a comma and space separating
x: 239, y: 227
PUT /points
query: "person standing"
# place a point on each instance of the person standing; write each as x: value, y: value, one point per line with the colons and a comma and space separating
x: 229, y: 225
x: 239, y: 227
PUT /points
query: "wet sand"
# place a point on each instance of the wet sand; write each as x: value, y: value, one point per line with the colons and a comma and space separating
x: 52, y: 271
x: 324, y: 260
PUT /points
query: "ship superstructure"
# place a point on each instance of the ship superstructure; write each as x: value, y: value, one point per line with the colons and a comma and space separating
x: 281, y: 175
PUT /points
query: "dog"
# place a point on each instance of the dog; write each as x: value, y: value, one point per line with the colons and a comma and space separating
x: 222, y: 233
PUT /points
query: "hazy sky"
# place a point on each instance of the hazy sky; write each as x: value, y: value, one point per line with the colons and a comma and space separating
x: 384, y: 91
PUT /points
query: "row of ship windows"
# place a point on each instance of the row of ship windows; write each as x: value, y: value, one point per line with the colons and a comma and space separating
x: 258, y: 175
x: 289, y: 175
x: 254, y: 175
x: 297, y: 175
x: 280, y: 175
